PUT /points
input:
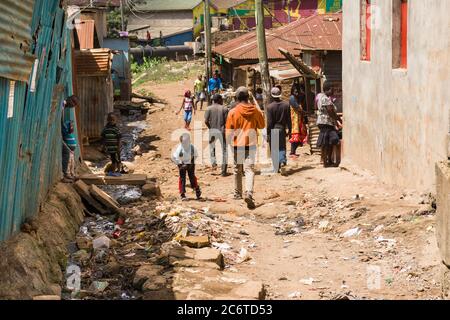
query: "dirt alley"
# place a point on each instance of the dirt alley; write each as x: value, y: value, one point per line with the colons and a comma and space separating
x: 295, y: 236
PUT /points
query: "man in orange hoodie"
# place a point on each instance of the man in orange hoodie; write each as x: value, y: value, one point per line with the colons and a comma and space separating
x: 243, y: 121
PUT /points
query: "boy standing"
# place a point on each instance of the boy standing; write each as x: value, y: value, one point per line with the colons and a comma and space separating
x: 199, y: 89
x: 69, y: 146
x: 184, y: 157
x: 112, y: 141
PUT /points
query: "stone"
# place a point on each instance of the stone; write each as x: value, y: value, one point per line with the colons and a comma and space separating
x: 144, y: 273
x: 151, y: 189
x: 182, y: 253
x: 47, y: 298
x: 155, y: 283
x: 210, y: 255
x: 252, y: 290
x: 195, y: 241
x: 84, y: 243
x: 191, y: 263
x: 112, y: 268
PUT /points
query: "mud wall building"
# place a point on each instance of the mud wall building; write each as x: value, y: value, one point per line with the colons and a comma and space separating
x: 396, y: 80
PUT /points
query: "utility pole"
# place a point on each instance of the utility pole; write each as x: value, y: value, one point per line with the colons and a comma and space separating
x: 289, y: 10
x: 208, y: 56
x: 262, y: 50
x: 121, y: 15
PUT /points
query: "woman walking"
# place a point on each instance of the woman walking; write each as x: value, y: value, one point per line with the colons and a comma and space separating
x: 299, y: 134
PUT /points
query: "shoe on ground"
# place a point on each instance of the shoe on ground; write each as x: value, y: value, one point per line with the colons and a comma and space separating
x: 237, y: 196
x: 198, y: 195
x: 183, y: 197
x: 250, y: 202
x: 283, y: 171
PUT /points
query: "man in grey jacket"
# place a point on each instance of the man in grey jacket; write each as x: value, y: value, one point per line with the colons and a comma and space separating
x: 215, y: 120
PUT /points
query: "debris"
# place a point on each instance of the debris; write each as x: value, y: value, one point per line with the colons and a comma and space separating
x: 81, y: 257
x: 351, y: 233
x: 244, y: 255
x: 144, y: 273
x: 83, y: 190
x: 151, y: 189
x: 308, y: 281
x: 99, y: 286
x: 126, y: 179
x: 101, y: 242
x: 378, y: 228
x: 105, y: 200
x: 84, y: 242
x: 221, y: 246
x: 244, y: 233
x: 358, y: 197
x: 295, y: 295
x: 324, y: 226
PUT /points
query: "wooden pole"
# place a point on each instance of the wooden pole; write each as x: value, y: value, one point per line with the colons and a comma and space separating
x: 121, y: 15
x: 208, y: 43
x: 263, y: 60
x: 262, y: 51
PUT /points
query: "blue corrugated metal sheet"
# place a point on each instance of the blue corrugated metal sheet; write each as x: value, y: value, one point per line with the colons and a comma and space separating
x: 15, y: 38
x: 30, y: 141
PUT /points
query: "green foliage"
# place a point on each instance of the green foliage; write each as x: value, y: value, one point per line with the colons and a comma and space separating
x: 160, y: 70
x: 149, y: 63
x: 114, y: 22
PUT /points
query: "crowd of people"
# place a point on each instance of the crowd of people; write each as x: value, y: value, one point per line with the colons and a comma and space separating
x: 237, y: 126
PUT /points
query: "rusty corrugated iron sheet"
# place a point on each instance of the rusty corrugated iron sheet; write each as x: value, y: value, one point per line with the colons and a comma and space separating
x: 85, y: 33
x: 93, y: 62
x: 94, y: 88
x: 97, y: 100
x: 16, y: 61
x: 318, y: 32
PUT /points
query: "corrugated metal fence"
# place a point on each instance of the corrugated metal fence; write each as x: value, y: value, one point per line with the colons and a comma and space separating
x: 30, y: 116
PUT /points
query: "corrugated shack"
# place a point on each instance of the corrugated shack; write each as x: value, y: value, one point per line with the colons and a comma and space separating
x: 316, y: 40
x: 94, y: 88
x: 93, y: 79
x: 35, y: 77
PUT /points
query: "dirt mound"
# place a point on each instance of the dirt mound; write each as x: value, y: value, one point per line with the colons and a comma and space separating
x: 32, y: 263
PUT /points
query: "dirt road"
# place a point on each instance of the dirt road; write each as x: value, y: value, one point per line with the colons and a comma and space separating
x: 392, y: 255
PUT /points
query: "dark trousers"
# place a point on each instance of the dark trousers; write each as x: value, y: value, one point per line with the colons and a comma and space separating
x: 190, y: 171
x: 294, y: 147
x: 277, y: 141
x: 212, y: 147
x: 65, y: 159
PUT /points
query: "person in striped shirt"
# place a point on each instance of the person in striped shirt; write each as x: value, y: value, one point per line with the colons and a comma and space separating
x: 112, y: 142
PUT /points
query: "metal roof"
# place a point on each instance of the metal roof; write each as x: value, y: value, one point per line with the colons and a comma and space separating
x: 96, y: 3
x: 93, y: 62
x: 318, y: 32
x: 85, y: 32
x: 16, y: 60
x: 167, y: 5
x: 226, y: 4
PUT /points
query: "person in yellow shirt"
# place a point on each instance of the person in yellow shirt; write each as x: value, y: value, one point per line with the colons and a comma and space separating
x: 199, y: 89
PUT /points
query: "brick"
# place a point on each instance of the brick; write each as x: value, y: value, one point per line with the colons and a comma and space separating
x: 195, y: 241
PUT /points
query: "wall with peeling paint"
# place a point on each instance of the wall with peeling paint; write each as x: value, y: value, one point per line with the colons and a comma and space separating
x: 396, y: 121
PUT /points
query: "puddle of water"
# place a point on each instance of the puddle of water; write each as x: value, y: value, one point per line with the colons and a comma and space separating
x: 123, y: 194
